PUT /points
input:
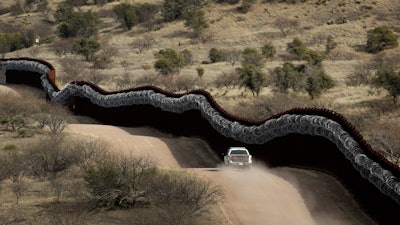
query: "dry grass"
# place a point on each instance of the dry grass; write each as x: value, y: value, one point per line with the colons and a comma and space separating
x: 363, y: 105
x: 230, y: 29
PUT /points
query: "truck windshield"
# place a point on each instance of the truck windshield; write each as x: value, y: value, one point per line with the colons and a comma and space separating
x: 239, y: 152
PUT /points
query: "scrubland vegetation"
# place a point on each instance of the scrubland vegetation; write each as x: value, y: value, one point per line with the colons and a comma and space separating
x: 257, y: 58
x: 48, y: 174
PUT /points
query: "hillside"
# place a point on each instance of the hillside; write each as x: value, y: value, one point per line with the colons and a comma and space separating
x: 347, y: 21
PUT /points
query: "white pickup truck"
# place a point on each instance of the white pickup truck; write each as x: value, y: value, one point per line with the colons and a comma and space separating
x: 238, y: 156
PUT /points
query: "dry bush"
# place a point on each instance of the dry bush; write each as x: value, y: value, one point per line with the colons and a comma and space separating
x: 182, y: 83
x: 63, y: 47
x: 182, y: 196
x: 143, y: 44
x: 119, y: 181
x: 72, y: 67
x: 19, y: 188
x: 385, y: 138
x: 49, y: 155
x: 362, y: 74
x: 229, y: 80
x: 90, y: 152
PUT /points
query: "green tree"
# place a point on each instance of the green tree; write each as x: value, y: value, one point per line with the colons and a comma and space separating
x: 268, y: 51
x: 64, y: 12
x: 251, y: 56
x: 146, y: 13
x: 380, y: 38
x: 289, y: 77
x: 175, y: 9
x: 387, y: 78
x: 317, y: 82
x: 127, y: 15
x: 195, y: 20
x: 86, y: 47
x: 297, y: 48
x: 216, y: 55
x: 168, y: 61
x: 82, y: 24
x: 252, y: 78
x: 301, y: 52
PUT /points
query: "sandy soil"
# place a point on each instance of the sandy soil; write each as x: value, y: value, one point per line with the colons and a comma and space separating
x: 255, y: 196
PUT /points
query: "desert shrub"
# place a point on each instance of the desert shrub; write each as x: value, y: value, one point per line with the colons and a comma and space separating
x: 362, y: 74
x: 15, y: 41
x: 200, y: 72
x: 49, y: 155
x: 301, y: 52
x: 389, y: 79
x: 330, y: 44
x: 317, y: 81
x: 101, y: 61
x: 268, y: 51
x: 195, y: 21
x: 182, y: 195
x: 168, y: 61
x: 86, y: 47
x: 13, y: 166
x: 309, y: 78
x: 63, y: 47
x: 127, y: 15
x: 229, y: 80
x: 64, y: 12
x: 250, y: 56
x: 175, y: 9
x: 289, y: 77
x: 143, y: 44
x: 146, y: 14
x: 246, y: 6
x: 119, y: 181
x: 25, y: 132
x: 286, y: 25
x: 13, y: 121
x: 17, y: 9
x: 188, y: 56
x: 90, y: 152
x: 251, y: 77
x: 10, y: 147
x: 79, y: 24
x: 380, y: 38
x: 232, y: 56
x: 102, y: 2
x: 182, y: 83
x: 216, y: 55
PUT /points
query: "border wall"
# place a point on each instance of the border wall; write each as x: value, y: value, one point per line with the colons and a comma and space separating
x: 312, y: 138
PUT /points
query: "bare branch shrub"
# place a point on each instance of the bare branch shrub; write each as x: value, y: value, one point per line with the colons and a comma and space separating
x: 89, y: 152
x: 119, y: 181
x: 232, y: 56
x: 143, y: 44
x: 182, y: 195
x: 183, y: 83
x: 49, y: 155
x: 19, y: 188
x: 72, y: 68
x: 362, y: 74
x: 13, y: 166
x: 286, y: 25
x: 63, y: 47
x: 229, y: 80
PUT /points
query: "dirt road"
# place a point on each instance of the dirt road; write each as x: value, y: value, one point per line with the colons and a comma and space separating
x: 258, y: 196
